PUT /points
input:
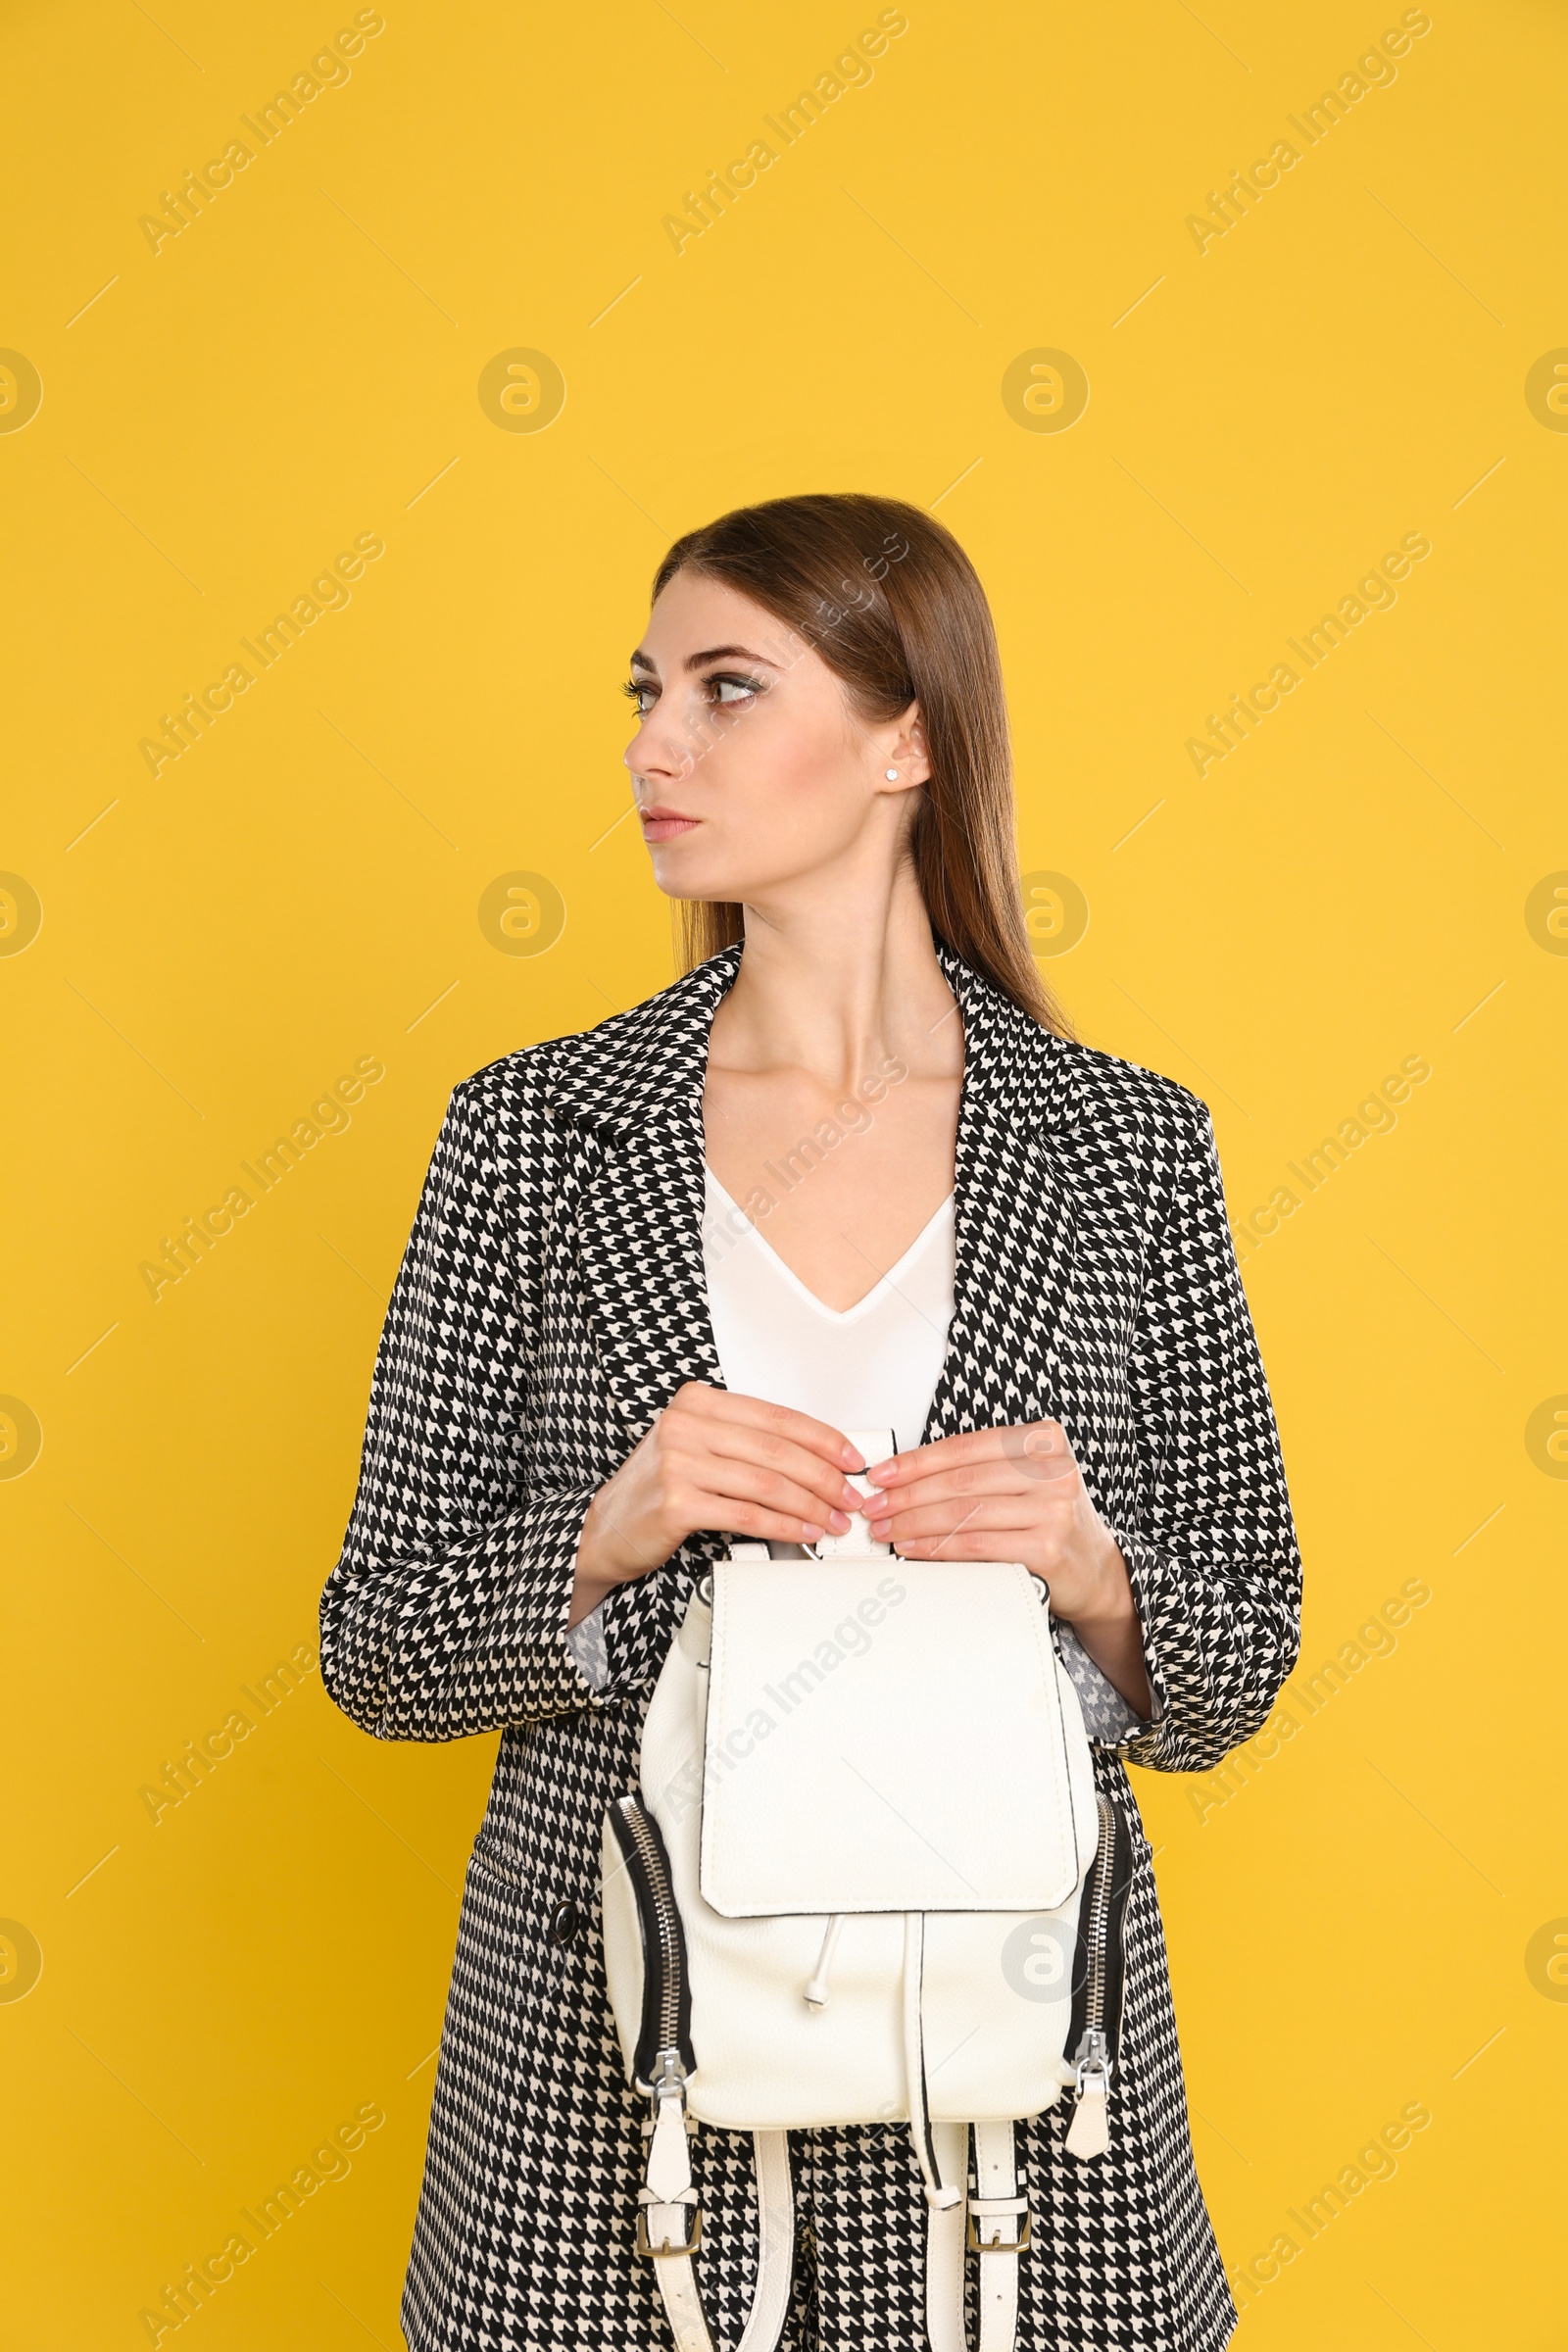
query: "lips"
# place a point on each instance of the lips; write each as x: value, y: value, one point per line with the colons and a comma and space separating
x: 663, y: 824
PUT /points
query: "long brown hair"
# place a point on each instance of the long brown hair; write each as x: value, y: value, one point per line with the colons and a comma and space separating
x: 894, y: 606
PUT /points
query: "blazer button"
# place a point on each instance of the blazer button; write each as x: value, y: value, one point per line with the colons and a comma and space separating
x: 566, y: 1923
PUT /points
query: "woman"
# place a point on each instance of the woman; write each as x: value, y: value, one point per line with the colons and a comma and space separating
x: 850, y: 1170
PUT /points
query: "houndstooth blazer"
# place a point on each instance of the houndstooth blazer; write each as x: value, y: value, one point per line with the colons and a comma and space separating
x: 550, y: 1303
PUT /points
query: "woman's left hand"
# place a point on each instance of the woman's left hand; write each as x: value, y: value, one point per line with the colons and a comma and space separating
x: 1017, y: 1495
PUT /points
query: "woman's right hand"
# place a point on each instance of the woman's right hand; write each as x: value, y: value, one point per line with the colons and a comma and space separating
x: 714, y: 1460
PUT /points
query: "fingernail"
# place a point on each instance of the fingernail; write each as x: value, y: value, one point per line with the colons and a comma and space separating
x: 838, y: 1523
x: 813, y: 1534
x: 852, y: 1460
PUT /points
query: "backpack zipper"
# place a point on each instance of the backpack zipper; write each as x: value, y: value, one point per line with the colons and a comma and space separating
x: 1087, y: 2134
x: 667, y: 1921
x: 1100, y: 1924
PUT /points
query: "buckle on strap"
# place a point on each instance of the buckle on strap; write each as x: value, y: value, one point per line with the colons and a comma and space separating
x: 665, y: 2249
x: 983, y: 2209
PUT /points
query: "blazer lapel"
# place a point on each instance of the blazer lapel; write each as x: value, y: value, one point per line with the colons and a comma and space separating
x: 1016, y: 1223
x: 632, y: 1090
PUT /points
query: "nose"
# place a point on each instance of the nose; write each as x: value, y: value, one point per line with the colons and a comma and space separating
x: 657, y: 749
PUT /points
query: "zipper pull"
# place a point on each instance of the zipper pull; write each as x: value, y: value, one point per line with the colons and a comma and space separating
x: 669, y: 2088
x: 1089, y: 2134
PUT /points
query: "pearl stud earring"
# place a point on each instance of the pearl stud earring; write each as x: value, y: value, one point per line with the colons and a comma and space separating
x: 893, y: 775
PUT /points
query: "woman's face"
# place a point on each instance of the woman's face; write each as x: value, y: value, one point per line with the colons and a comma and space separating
x: 748, y: 766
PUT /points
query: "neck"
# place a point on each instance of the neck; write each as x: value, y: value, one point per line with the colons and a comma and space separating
x: 833, y: 985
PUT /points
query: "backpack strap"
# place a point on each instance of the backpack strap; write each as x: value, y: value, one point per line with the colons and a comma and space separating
x: 994, y: 2221
x: 669, y: 2219
x: 670, y: 2230
x: 945, y: 2247
x: 775, y: 2242
x: 998, y: 2229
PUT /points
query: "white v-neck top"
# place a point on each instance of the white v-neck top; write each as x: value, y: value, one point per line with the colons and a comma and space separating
x: 874, y: 1365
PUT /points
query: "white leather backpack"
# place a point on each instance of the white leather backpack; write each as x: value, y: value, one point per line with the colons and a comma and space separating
x: 867, y: 1878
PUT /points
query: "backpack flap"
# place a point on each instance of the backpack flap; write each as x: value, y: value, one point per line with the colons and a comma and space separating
x: 887, y: 1736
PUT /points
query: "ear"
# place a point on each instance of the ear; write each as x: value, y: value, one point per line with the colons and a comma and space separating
x: 902, y: 746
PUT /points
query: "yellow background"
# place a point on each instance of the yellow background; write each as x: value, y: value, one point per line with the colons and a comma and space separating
x: 1352, y: 1925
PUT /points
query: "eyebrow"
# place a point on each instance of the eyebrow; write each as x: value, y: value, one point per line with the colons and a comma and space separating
x: 641, y: 661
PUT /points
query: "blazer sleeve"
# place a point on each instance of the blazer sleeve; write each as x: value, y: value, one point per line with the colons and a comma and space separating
x: 1212, y: 1558
x: 446, y: 1613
